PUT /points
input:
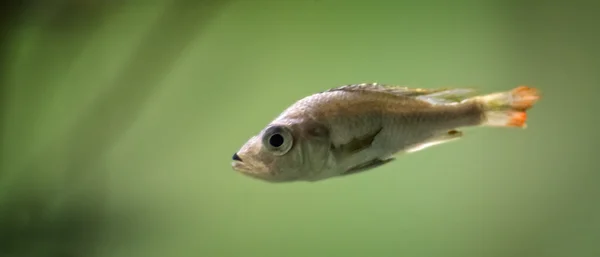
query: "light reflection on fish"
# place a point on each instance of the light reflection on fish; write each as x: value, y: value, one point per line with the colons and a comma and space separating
x: 356, y: 128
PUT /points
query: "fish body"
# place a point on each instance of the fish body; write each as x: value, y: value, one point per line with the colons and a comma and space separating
x: 356, y: 128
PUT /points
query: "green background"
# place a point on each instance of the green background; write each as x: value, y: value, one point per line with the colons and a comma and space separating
x: 119, y: 122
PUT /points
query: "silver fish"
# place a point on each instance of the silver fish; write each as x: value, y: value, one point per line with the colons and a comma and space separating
x: 356, y: 128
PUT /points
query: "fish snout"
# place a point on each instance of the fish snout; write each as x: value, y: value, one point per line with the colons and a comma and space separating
x: 236, y: 157
x: 238, y: 164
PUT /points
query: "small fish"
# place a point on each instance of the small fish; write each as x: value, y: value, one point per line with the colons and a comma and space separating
x: 356, y: 128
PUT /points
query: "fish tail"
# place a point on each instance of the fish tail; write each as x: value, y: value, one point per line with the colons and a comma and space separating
x: 508, y: 109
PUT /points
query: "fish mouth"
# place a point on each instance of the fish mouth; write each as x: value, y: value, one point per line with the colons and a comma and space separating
x: 249, y: 171
x: 239, y: 166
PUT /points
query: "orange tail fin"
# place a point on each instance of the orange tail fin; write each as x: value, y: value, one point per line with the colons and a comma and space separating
x: 508, y: 109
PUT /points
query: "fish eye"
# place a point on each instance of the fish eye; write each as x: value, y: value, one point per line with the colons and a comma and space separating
x: 278, y: 139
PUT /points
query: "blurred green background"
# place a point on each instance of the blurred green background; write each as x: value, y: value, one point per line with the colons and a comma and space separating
x: 119, y: 120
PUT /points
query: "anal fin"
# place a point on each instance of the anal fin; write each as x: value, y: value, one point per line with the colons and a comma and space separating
x: 440, y: 139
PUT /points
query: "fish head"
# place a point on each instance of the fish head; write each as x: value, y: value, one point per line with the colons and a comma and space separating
x: 283, y: 152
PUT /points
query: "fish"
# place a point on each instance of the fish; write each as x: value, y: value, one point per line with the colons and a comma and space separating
x: 356, y: 128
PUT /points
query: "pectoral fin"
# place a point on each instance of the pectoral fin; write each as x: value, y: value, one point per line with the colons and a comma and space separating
x: 440, y: 139
x: 355, y: 145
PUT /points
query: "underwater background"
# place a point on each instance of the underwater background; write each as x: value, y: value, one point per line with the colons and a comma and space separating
x: 119, y: 120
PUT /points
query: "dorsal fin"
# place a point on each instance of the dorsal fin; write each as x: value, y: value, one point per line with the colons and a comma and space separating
x: 432, y: 95
x: 388, y: 89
